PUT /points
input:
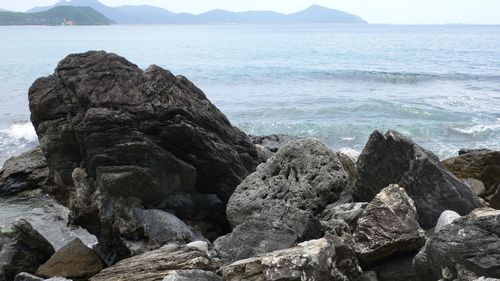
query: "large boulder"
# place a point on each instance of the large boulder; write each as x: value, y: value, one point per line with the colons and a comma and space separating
x: 147, y: 135
x: 388, y: 227
x: 25, y: 172
x: 468, y: 244
x: 304, y: 174
x: 161, y: 263
x: 22, y: 249
x: 282, y: 226
x: 483, y: 165
x: 393, y: 158
x: 74, y: 261
x: 311, y: 260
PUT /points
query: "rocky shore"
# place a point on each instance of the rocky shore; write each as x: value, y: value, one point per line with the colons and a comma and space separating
x: 172, y: 191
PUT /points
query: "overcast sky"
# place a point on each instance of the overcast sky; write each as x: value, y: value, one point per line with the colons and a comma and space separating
x: 374, y: 11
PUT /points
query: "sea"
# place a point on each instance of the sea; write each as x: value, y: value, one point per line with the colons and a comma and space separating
x: 438, y: 84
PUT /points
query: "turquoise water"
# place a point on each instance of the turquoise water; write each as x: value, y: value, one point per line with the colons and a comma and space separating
x: 439, y: 84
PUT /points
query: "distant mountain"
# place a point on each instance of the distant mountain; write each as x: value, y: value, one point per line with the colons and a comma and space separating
x: 154, y: 15
x: 62, y: 15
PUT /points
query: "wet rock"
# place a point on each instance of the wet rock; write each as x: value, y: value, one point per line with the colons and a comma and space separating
x: 22, y: 249
x: 469, y: 243
x: 349, y: 213
x: 272, y: 142
x: 311, y: 260
x: 394, y: 158
x: 159, y: 264
x: 192, y: 275
x: 445, y: 218
x: 483, y: 165
x: 74, y: 261
x: 137, y: 135
x: 388, y: 226
x: 25, y: 172
x: 305, y: 174
x: 281, y: 226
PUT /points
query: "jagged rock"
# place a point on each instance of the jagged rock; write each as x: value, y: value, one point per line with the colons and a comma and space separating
x: 394, y: 158
x: 281, y: 226
x: 398, y: 268
x: 22, y: 249
x: 23, y: 276
x: 445, y: 218
x: 272, y: 142
x: 305, y: 174
x: 159, y: 264
x: 75, y: 261
x: 388, y: 226
x: 347, y: 262
x: 483, y: 165
x: 25, y: 172
x: 311, y: 260
x: 192, y: 275
x: 147, y: 135
x: 470, y: 243
x: 349, y: 213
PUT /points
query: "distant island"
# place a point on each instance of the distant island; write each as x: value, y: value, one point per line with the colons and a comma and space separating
x: 145, y: 14
x: 61, y: 15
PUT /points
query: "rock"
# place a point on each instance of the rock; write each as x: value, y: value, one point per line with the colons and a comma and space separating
x: 75, y: 261
x: 475, y: 185
x: 349, y: 213
x: 311, y: 260
x: 394, y: 158
x: 398, y: 268
x: 445, y: 218
x: 469, y: 243
x: 346, y: 260
x: 388, y: 227
x: 463, y: 151
x: 304, y: 174
x: 483, y: 165
x: 22, y: 249
x: 23, y: 276
x: 192, y: 275
x: 25, y: 172
x: 282, y: 226
x: 495, y: 199
x: 272, y: 142
x: 348, y: 157
x: 369, y: 276
x: 159, y: 264
x: 145, y: 135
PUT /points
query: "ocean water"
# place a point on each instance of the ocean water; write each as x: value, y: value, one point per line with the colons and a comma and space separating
x: 438, y: 84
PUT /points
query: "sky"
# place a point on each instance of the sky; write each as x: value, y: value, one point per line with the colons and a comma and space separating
x: 374, y: 11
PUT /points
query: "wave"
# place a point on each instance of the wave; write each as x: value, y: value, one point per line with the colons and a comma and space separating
x: 478, y: 129
x: 16, y: 139
x: 21, y: 131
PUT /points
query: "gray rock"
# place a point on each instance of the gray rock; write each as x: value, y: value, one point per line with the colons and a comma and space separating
x: 136, y: 134
x: 395, y: 158
x: 398, y: 268
x: 159, y: 264
x: 495, y: 199
x: 369, y: 276
x: 22, y: 249
x: 23, y: 276
x: 349, y: 213
x: 388, y: 227
x: 476, y: 186
x: 311, y: 260
x: 192, y: 275
x: 272, y: 142
x: 445, y: 218
x: 25, y: 172
x: 305, y: 174
x: 469, y: 244
x: 281, y: 227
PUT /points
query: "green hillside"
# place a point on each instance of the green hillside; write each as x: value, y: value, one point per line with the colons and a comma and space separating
x: 56, y: 16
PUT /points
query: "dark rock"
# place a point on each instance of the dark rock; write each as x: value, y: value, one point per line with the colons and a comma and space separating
x: 349, y: 213
x: 483, y: 165
x: 22, y: 249
x: 398, y: 268
x: 25, y: 172
x: 272, y: 142
x: 469, y: 243
x: 159, y: 264
x: 305, y: 174
x: 388, y: 227
x: 75, y: 261
x: 495, y: 199
x: 311, y: 260
x: 23, y: 276
x: 346, y: 260
x: 394, y: 158
x: 282, y: 226
x: 463, y: 151
x: 144, y: 135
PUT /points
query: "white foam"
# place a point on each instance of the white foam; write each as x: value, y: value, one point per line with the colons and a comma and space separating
x: 21, y: 131
x: 477, y: 129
